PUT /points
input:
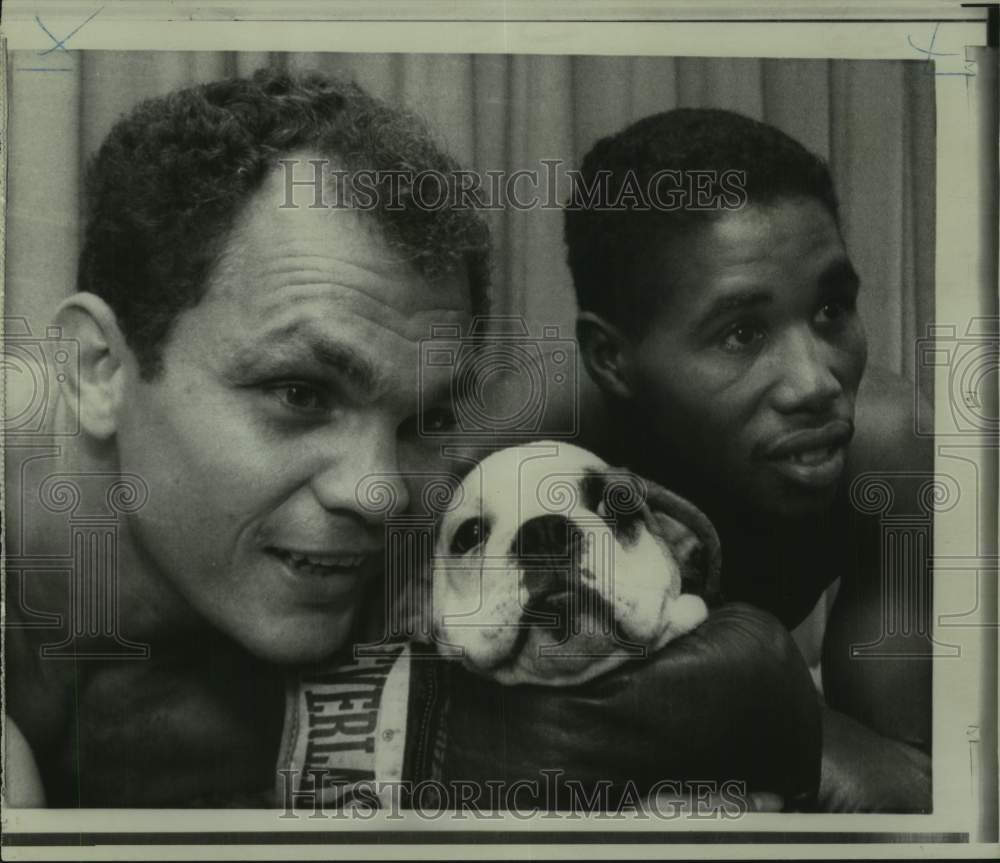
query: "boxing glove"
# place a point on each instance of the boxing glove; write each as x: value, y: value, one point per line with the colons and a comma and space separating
x: 731, y: 702
x: 864, y: 771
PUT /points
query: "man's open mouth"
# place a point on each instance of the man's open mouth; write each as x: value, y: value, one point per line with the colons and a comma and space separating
x: 815, y: 468
x: 813, y: 457
x: 319, y: 565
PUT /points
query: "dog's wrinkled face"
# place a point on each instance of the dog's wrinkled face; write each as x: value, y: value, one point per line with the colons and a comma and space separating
x: 554, y: 568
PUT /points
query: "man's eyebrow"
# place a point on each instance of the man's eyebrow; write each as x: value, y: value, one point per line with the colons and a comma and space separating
x: 356, y: 369
x: 738, y: 301
x: 839, y: 273
x: 290, y: 345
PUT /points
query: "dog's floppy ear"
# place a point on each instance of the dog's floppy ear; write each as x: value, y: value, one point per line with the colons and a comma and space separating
x: 692, y: 539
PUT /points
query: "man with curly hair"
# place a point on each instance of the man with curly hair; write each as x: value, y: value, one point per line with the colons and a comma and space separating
x: 249, y: 357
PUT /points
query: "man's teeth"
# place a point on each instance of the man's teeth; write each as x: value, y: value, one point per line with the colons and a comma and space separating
x: 812, y: 457
x: 325, y: 561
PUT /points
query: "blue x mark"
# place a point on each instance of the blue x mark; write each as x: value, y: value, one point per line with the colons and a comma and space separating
x: 60, y: 44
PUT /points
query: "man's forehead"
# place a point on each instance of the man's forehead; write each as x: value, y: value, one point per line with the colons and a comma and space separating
x: 754, y: 231
x: 268, y: 228
x: 274, y: 246
x: 750, y: 230
x: 304, y: 178
x: 740, y: 249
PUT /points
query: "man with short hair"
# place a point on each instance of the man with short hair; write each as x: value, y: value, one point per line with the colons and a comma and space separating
x: 725, y: 336
x: 249, y: 357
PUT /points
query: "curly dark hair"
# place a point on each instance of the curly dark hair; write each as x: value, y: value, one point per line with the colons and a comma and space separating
x: 608, y: 248
x: 166, y: 185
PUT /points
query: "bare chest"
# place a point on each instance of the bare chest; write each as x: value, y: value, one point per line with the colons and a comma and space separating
x: 145, y: 734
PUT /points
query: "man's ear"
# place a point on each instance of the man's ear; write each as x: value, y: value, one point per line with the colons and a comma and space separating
x: 606, y: 354
x: 97, y: 385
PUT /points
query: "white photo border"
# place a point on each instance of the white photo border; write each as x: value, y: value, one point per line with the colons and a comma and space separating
x: 966, y: 262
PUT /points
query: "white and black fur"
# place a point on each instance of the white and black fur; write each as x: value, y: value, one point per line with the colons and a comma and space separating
x: 552, y: 567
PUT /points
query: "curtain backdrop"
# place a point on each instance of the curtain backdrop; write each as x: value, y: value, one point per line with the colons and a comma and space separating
x: 873, y: 120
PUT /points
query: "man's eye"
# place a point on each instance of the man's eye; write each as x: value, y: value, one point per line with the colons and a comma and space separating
x: 742, y: 337
x: 834, y: 310
x: 301, y: 397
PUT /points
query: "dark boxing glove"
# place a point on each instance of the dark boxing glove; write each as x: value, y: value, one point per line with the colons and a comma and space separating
x: 730, y: 702
x: 864, y: 771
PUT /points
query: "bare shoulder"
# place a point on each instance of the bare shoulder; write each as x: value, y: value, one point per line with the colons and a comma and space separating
x: 889, y: 696
x: 22, y: 782
x: 38, y: 692
x: 885, y: 437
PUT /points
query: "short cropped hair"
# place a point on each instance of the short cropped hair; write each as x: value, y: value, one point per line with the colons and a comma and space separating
x: 168, y: 182
x: 608, y: 246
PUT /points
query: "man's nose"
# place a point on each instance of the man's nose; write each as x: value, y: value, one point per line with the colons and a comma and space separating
x: 365, y: 478
x: 807, y: 379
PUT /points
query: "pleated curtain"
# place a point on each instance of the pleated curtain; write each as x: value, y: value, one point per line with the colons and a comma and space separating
x: 873, y: 121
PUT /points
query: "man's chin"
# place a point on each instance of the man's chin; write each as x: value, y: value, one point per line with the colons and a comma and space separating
x: 767, y: 501
x: 792, y: 503
x: 301, y: 641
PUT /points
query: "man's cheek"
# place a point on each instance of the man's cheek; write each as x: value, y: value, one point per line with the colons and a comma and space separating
x: 429, y: 476
x: 858, y: 360
x: 705, y: 433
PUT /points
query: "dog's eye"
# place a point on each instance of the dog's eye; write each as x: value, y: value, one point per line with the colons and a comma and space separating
x: 602, y: 510
x: 470, y: 533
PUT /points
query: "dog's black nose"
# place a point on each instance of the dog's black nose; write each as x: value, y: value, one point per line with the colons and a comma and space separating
x: 542, y: 537
x: 543, y: 547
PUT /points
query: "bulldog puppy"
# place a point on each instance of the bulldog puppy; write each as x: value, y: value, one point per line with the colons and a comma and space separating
x: 552, y: 568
